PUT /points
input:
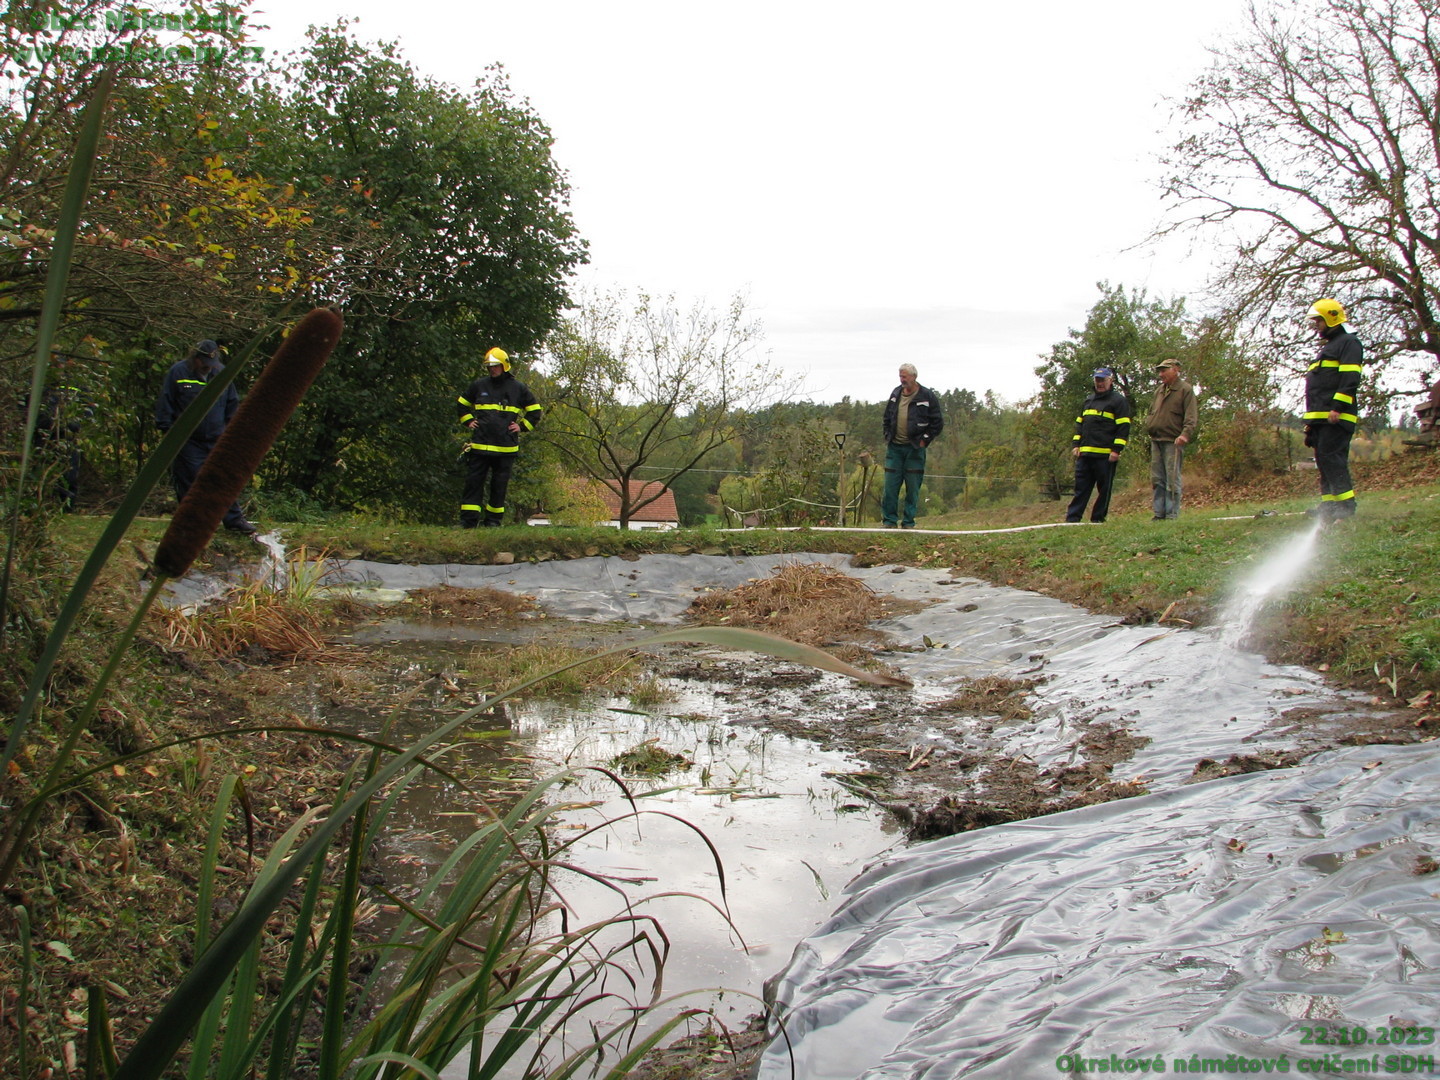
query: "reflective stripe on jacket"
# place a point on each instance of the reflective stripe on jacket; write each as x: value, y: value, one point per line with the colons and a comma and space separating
x: 494, y: 404
x: 1334, y: 378
x: 1103, y: 426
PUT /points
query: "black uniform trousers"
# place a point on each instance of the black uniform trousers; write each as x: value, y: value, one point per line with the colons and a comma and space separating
x: 1332, y: 458
x: 480, y: 467
x: 1092, y: 472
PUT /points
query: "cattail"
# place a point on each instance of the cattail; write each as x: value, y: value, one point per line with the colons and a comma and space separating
x: 251, y: 431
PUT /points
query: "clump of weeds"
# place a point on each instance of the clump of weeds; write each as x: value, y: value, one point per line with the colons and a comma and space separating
x: 623, y: 674
x: 448, y: 601
x: 649, y: 759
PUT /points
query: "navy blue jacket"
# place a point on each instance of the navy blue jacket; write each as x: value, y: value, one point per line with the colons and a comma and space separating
x: 183, y: 383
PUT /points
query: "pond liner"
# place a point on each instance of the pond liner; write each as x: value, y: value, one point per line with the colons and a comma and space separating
x: 1218, y: 927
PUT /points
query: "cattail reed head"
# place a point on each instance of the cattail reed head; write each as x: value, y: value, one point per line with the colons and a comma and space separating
x: 250, y: 432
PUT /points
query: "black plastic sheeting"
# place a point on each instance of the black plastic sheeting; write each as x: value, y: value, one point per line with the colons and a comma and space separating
x: 1215, y: 928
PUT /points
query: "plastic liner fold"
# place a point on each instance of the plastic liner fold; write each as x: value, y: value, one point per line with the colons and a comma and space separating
x: 1223, y: 925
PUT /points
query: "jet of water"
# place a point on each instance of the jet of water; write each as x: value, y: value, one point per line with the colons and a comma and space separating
x: 273, y: 571
x: 1281, y: 569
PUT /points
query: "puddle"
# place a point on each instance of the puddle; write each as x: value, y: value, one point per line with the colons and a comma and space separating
x: 788, y: 836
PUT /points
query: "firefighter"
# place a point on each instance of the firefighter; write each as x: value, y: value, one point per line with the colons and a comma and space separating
x: 184, y: 382
x: 1101, y: 431
x: 495, y: 409
x: 1331, y: 384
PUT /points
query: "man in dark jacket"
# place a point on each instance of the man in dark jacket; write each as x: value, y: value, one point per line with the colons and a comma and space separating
x: 912, y: 422
x: 1101, y: 431
x: 495, y: 408
x: 57, y: 430
x: 183, y: 384
x: 1330, y: 417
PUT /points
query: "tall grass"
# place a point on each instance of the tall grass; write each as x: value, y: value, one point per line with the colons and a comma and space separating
x: 543, y: 979
x: 487, y: 963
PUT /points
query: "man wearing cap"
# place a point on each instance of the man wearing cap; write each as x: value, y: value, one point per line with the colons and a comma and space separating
x: 495, y: 409
x: 1101, y: 431
x: 1171, y: 425
x: 911, y: 422
x: 183, y: 384
x: 1330, y: 417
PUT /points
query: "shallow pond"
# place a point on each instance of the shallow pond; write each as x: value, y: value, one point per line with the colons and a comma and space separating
x: 788, y: 835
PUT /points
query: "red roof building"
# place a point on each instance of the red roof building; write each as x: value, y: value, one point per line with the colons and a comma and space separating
x: 660, y: 514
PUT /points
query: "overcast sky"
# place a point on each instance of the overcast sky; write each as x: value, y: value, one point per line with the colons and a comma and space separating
x: 938, y: 183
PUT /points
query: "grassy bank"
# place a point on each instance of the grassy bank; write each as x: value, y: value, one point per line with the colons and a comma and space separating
x: 1367, y: 610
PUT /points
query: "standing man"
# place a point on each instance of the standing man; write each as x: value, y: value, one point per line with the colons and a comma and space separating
x: 1330, y: 417
x: 1171, y: 425
x: 495, y: 408
x: 1101, y: 431
x: 183, y: 383
x: 57, y: 430
x: 912, y: 422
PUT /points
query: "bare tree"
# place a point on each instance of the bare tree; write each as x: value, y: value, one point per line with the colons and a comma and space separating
x: 639, y: 385
x: 1314, y: 140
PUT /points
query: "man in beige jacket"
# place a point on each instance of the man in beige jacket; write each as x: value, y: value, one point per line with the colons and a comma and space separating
x: 1170, y: 425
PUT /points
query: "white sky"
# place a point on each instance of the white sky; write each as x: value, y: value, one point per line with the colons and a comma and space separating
x: 942, y: 183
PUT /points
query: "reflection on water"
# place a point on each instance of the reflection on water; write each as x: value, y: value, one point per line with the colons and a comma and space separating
x: 788, y: 838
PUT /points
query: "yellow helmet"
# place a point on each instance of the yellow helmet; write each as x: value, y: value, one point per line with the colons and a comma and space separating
x: 1330, y: 311
x: 498, y: 356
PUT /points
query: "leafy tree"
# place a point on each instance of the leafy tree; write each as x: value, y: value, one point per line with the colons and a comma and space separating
x: 1314, y: 141
x: 182, y: 238
x: 579, y: 501
x: 799, y: 483
x: 1126, y: 331
x: 474, y: 247
x: 636, y: 386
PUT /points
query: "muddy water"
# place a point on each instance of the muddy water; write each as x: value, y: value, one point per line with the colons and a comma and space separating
x: 787, y: 835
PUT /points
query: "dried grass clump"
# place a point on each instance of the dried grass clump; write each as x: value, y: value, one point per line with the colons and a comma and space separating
x: 249, y: 620
x: 992, y: 695
x: 448, y: 601
x: 808, y: 602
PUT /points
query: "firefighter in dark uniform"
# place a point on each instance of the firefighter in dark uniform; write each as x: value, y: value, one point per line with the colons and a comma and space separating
x: 495, y: 408
x: 57, y: 431
x: 184, y: 382
x: 1331, y: 384
x: 1101, y: 431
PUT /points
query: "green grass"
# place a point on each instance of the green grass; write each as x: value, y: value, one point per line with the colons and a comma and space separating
x: 1371, y: 597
